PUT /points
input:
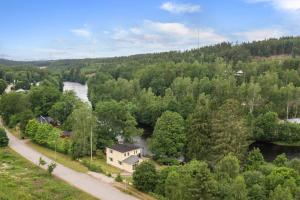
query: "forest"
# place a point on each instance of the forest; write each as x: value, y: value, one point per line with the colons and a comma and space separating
x: 205, y: 105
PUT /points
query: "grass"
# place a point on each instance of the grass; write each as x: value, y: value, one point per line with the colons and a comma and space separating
x: 20, y: 179
x: 132, y: 191
x: 101, y: 164
x: 292, y: 144
x: 63, y: 159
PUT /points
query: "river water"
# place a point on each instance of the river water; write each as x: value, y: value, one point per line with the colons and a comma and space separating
x: 81, y: 92
x: 269, y: 150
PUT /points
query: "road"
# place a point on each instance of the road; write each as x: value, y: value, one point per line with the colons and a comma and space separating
x: 82, y: 181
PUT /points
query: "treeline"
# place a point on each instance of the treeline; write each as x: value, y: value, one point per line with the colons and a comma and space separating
x: 227, y: 180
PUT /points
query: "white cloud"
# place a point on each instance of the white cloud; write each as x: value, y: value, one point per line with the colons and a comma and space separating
x: 160, y: 36
x: 81, y: 32
x: 260, y: 34
x: 287, y: 5
x: 180, y: 8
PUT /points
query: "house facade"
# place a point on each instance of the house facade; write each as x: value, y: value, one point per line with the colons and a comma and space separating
x: 124, y: 156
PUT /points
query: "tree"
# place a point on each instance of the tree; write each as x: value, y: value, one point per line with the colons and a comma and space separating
x: 173, y: 186
x: 64, y: 107
x: 13, y: 104
x: 83, y: 124
x: 281, y: 193
x: 229, y: 131
x: 145, y: 177
x: 114, y: 119
x: 281, y: 160
x: 3, y: 86
x: 228, y: 167
x: 239, y: 189
x: 199, y: 128
x: 254, y: 159
x: 3, y: 138
x: 265, y: 127
x: 168, y: 137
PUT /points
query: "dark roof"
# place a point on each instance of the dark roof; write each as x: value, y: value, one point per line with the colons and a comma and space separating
x: 131, y: 160
x: 124, y: 147
x: 66, y: 133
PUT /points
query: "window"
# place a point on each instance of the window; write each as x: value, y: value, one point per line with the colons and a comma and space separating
x: 111, y: 151
x: 128, y: 154
x: 110, y: 159
x: 134, y: 166
x: 124, y: 154
x: 120, y: 163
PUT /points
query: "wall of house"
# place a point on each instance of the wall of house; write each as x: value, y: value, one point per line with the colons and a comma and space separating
x: 115, y: 158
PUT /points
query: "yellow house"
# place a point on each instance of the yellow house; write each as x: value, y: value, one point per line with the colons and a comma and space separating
x: 124, y: 156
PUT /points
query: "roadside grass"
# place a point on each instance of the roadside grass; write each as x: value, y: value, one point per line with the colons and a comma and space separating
x: 63, y: 159
x: 20, y: 179
x: 101, y: 165
x: 132, y: 191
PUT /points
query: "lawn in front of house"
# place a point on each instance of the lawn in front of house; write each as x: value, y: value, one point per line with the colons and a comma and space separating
x: 21, y: 180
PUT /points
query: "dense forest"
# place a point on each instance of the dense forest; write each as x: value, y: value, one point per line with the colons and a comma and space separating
x: 205, y: 105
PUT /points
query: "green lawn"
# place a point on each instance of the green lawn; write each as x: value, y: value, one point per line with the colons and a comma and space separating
x: 101, y: 163
x: 21, y: 180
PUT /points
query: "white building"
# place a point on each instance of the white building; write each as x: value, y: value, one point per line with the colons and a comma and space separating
x: 124, y: 156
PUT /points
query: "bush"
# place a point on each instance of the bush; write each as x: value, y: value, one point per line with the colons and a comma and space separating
x: 3, y: 138
x: 51, y: 168
x: 119, y: 178
x: 145, y: 177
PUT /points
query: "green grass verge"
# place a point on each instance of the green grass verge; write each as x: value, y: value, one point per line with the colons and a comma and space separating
x: 294, y: 144
x: 21, y: 180
x: 101, y: 164
x: 63, y: 159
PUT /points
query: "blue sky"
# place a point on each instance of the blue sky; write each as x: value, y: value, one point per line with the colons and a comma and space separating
x: 55, y: 29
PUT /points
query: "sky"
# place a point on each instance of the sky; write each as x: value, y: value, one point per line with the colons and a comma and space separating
x: 63, y: 29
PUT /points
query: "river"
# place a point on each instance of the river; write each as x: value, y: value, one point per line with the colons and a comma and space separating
x: 269, y: 150
x: 81, y: 92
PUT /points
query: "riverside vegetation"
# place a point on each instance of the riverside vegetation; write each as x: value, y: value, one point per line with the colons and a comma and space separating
x: 204, y: 105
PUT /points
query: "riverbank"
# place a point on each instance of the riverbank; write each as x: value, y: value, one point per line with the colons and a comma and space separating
x: 292, y: 144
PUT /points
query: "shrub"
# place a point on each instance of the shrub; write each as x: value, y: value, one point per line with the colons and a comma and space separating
x: 42, y: 161
x: 51, y: 168
x: 119, y: 178
x: 92, y: 166
x: 3, y: 138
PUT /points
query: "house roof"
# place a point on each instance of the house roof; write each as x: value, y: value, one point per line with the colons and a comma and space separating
x: 124, y: 147
x: 131, y: 160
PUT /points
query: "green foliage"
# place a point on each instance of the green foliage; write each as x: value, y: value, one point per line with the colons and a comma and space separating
x: 228, y: 167
x: 254, y: 160
x: 168, y: 137
x: 42, y: 162
x: 114, y: 119
x: 199, y: 132
x: 239, y: 189
x: 266, y: 126
x: 229, y: 131
x: 51, y: 168
x: 281, y: 193
x: 3, y: 86
x: 83, y: 124
x: 119, y: 178
x: 145, y: 177
x: 281, y: 160
x: 3, y: 138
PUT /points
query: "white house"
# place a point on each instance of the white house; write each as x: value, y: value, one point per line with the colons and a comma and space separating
x: 124, y: 156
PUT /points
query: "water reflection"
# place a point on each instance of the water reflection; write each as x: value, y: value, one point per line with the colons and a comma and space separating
x: 270, y: 151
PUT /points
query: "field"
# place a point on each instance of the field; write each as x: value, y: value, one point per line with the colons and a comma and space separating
x: 21, y: 180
